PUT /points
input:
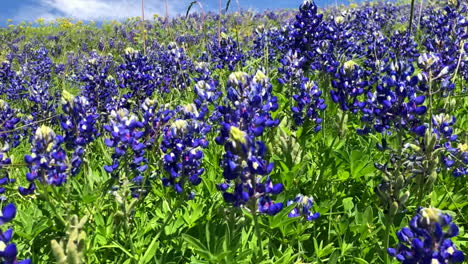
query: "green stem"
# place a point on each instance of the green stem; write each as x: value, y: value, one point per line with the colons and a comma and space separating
x: 127, y: 229
x: 430, y: 102
x: 257, y: 233
x: 52, y: 206
x: 410, y: 26
x: 166, y: 220
x: 329, y: 150
x: 388, y: 223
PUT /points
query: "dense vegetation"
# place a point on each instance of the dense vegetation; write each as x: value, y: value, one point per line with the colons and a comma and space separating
x: 304, y: 136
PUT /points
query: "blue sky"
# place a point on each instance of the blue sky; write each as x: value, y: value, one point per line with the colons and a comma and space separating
x: 30, y: 10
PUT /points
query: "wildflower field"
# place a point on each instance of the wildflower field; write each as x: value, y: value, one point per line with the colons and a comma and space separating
x: 313, y: 135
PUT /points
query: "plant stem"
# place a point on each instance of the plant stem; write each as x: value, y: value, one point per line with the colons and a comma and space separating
x: 127, y: 228
x: 410, y: 26
x: 219, y: 23
x: 420, y: 13
x: 257, y: 233
x: 52, y: 206
x: 389, y: 223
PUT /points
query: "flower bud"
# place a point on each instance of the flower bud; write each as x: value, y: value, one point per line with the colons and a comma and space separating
x: 432, y: 177
x: 57, y: 250
x: 400, y: 181
x: 404, y: 198
x: 393, y: 208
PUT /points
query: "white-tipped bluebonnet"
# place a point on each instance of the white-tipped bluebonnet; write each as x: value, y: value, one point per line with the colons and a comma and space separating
x: 428, y: 239
x: 173, y: 68
x: 183, y: 143
x: 303, y: 208
x: 137, y: 76
x: 12, y: 83
x: 244, y: 116
x: 97, y: 83
x: 126, y: 133
x: 308, y: 105
x: 397, y: 103
x: 47, y: 162
x: 349, y: 83
x: 79, y: 123
x: 454, y: 154
x: 225, y: 53
x: 9, y: 138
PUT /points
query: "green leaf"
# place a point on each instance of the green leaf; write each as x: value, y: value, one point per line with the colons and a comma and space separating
x: 197, y: 245
x: 150, y: 251
x: 348, y: 204
x: 361, y: 261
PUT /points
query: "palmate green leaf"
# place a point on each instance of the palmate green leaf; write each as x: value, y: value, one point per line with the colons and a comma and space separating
x: 197, y: 246
x: 173, y: 228
x: 192, y: 213
x: 287, y: 256
x: 117, y: 245
x: 343, y: 175
x: 322, y: 251
x: 281, y: 219
x: 150, y: 251
x: 360, y: 261
x: 334, y: 257
x: 348, y: 204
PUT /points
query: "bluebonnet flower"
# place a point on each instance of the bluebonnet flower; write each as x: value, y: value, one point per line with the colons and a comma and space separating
x: 306, y: 95
x: 268, y: 42
x: 462, y: 157
x: 154, y: 120
x: 37, y: 69
x: 8, y: 250
x: 305, y: 34
x: 303, y: 208
x: 248, y: 105
x: 291, y: 70
x: 80, y: 127
x: 9, y: 138
x: 48, y: 161
x: 8, y: 213
x: 205, y: 85
x: 247, y: 112
x: 126, y: 138
x: 308, y: 104
x: 434, y: 69
x: 12, y: 84
x: 397, y: 103
x: 173, y: 68
x: 381, y: 51
x: 464, y: 63
x: 9, y: 119
x: 226, y: 53
x: 428, y: 239
x: 101, y: 44
x: 243, y: 166
x: 349, y: 84
x: 137, y: 75
x: 97, y: 83
x: 183, y: 143
x: 5, y: 161
x: 443, y: 126
x: 206, y: 92
x: 454, y: 157
x: 447, y: 26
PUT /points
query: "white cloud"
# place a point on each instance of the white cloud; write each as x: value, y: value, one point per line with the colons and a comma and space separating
x: 97, y: 9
